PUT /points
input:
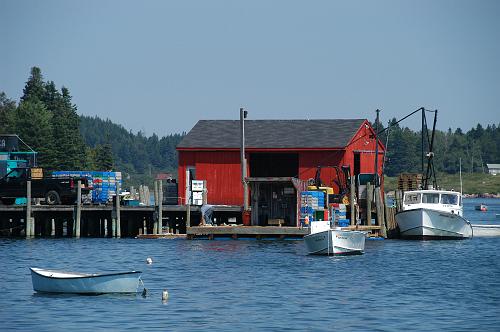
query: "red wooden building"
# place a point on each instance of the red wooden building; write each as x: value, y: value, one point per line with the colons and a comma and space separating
x: 274, y: 148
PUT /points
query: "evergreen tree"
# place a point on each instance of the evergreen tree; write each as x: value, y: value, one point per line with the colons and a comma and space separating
x: 7, y: 109
x: 33, y: 125
x: 34, y: 90
x: 104, y: 157
x: 69, y: 151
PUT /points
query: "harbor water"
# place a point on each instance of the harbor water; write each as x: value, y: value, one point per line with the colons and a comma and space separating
x: 228, y: 285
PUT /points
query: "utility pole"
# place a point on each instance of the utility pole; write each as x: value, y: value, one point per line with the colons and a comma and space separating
x: 376, y: 181
x: 243, y: 115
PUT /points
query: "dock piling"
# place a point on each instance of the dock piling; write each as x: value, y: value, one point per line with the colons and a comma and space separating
x: 78, y: 209
x: 351, y: 199
x: 28, y: 226
x: 369, y: 199
x: 155, y: 193
x: 160, y: 207
x: 379, y: 202
x: 117, y: 208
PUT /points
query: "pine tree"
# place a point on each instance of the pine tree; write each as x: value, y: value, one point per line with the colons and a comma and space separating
x: 34, y: 90
x: 69, y: 151
x: 104, y: 157
x: 33, y: 125
x: 7, y: 109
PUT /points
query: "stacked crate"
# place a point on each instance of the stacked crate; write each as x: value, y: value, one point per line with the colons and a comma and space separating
x: 409, y: 181
x: 312, y: 206
x: 104, y: 184
x: 339, y: 212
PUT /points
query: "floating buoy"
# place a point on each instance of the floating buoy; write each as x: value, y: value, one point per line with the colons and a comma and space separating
x: 164, y: 295
x: 149, y: 260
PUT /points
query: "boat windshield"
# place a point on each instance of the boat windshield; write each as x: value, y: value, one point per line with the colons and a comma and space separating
x: 429, y: 198
x: 412, y: 198
x: 449, y: 199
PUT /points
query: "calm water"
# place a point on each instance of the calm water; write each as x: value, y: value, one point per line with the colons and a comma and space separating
x: 262, y: 285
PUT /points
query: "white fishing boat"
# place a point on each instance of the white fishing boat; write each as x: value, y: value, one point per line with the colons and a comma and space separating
x: 52, y: 281
x: 324, y: 240
x: 433, y: 214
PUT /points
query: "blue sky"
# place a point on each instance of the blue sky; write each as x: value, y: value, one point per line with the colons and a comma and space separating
x: 159, y: 66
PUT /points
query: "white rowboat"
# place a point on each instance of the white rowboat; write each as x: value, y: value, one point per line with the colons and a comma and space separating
x: 53, y: 281
x: 324, y: 240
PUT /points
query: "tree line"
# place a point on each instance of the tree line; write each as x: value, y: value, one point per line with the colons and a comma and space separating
x: 471, y: 150
x: 47, y: 120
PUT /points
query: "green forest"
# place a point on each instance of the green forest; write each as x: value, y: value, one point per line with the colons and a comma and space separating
x: 47, y: 120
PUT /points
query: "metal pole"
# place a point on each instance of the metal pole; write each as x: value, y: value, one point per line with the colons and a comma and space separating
x: 243, y: 115
x: 28, y: 210
x: 422, y: 157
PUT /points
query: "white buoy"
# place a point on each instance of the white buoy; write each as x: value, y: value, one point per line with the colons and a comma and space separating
x: 149, y: 260
x: 164, y: 295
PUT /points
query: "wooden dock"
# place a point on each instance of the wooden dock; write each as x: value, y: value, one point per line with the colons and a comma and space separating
x: 485, y: 230
x: 245, y: 231
x: 102, y: 220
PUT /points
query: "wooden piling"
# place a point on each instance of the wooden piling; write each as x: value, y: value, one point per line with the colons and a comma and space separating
x: 28, y: 210
x: 52, y: 227
x: 106, y: 232
x: 352, y: 199
x: 117, y: 208
x: 369, y: 199
x: 188, y: 215
x: 160, y: 207
x: 78, y: 209
x: 155, y: 224
x: 113, y: 227
x: 379, y: 202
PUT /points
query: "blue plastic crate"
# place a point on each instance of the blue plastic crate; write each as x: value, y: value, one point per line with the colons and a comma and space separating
x: 343, y: 222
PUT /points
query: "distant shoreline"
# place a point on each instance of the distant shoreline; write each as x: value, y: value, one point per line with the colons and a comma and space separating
x: 392, y: 193
x: 486, y: 195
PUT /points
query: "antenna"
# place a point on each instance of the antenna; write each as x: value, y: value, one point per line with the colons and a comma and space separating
x: 460, y: 165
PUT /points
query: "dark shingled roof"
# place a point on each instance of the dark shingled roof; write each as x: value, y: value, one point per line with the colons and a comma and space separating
x: 272, y: 134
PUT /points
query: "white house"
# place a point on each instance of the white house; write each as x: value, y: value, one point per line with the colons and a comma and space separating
x: 493, y: 168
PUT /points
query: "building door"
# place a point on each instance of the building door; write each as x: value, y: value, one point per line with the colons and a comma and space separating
x: 357, y: 163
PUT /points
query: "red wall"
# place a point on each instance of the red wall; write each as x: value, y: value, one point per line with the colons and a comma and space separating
x: 364, y: 144
x: 222, y: 169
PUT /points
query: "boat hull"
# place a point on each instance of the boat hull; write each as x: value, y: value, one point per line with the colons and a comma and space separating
x: 430, y: 224
x: 335, y: 242
x: 126, y: 282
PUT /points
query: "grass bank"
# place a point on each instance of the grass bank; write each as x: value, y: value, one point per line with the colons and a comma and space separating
x: 476, y: 183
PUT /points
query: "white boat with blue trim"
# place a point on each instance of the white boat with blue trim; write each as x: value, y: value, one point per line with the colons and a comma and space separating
x: 433, y: 214
x: 54, y: 281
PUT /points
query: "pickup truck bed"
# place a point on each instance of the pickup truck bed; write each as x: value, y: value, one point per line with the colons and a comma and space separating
x: 54, y: 190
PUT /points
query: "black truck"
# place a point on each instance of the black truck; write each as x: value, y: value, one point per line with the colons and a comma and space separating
x: 54, y: 190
